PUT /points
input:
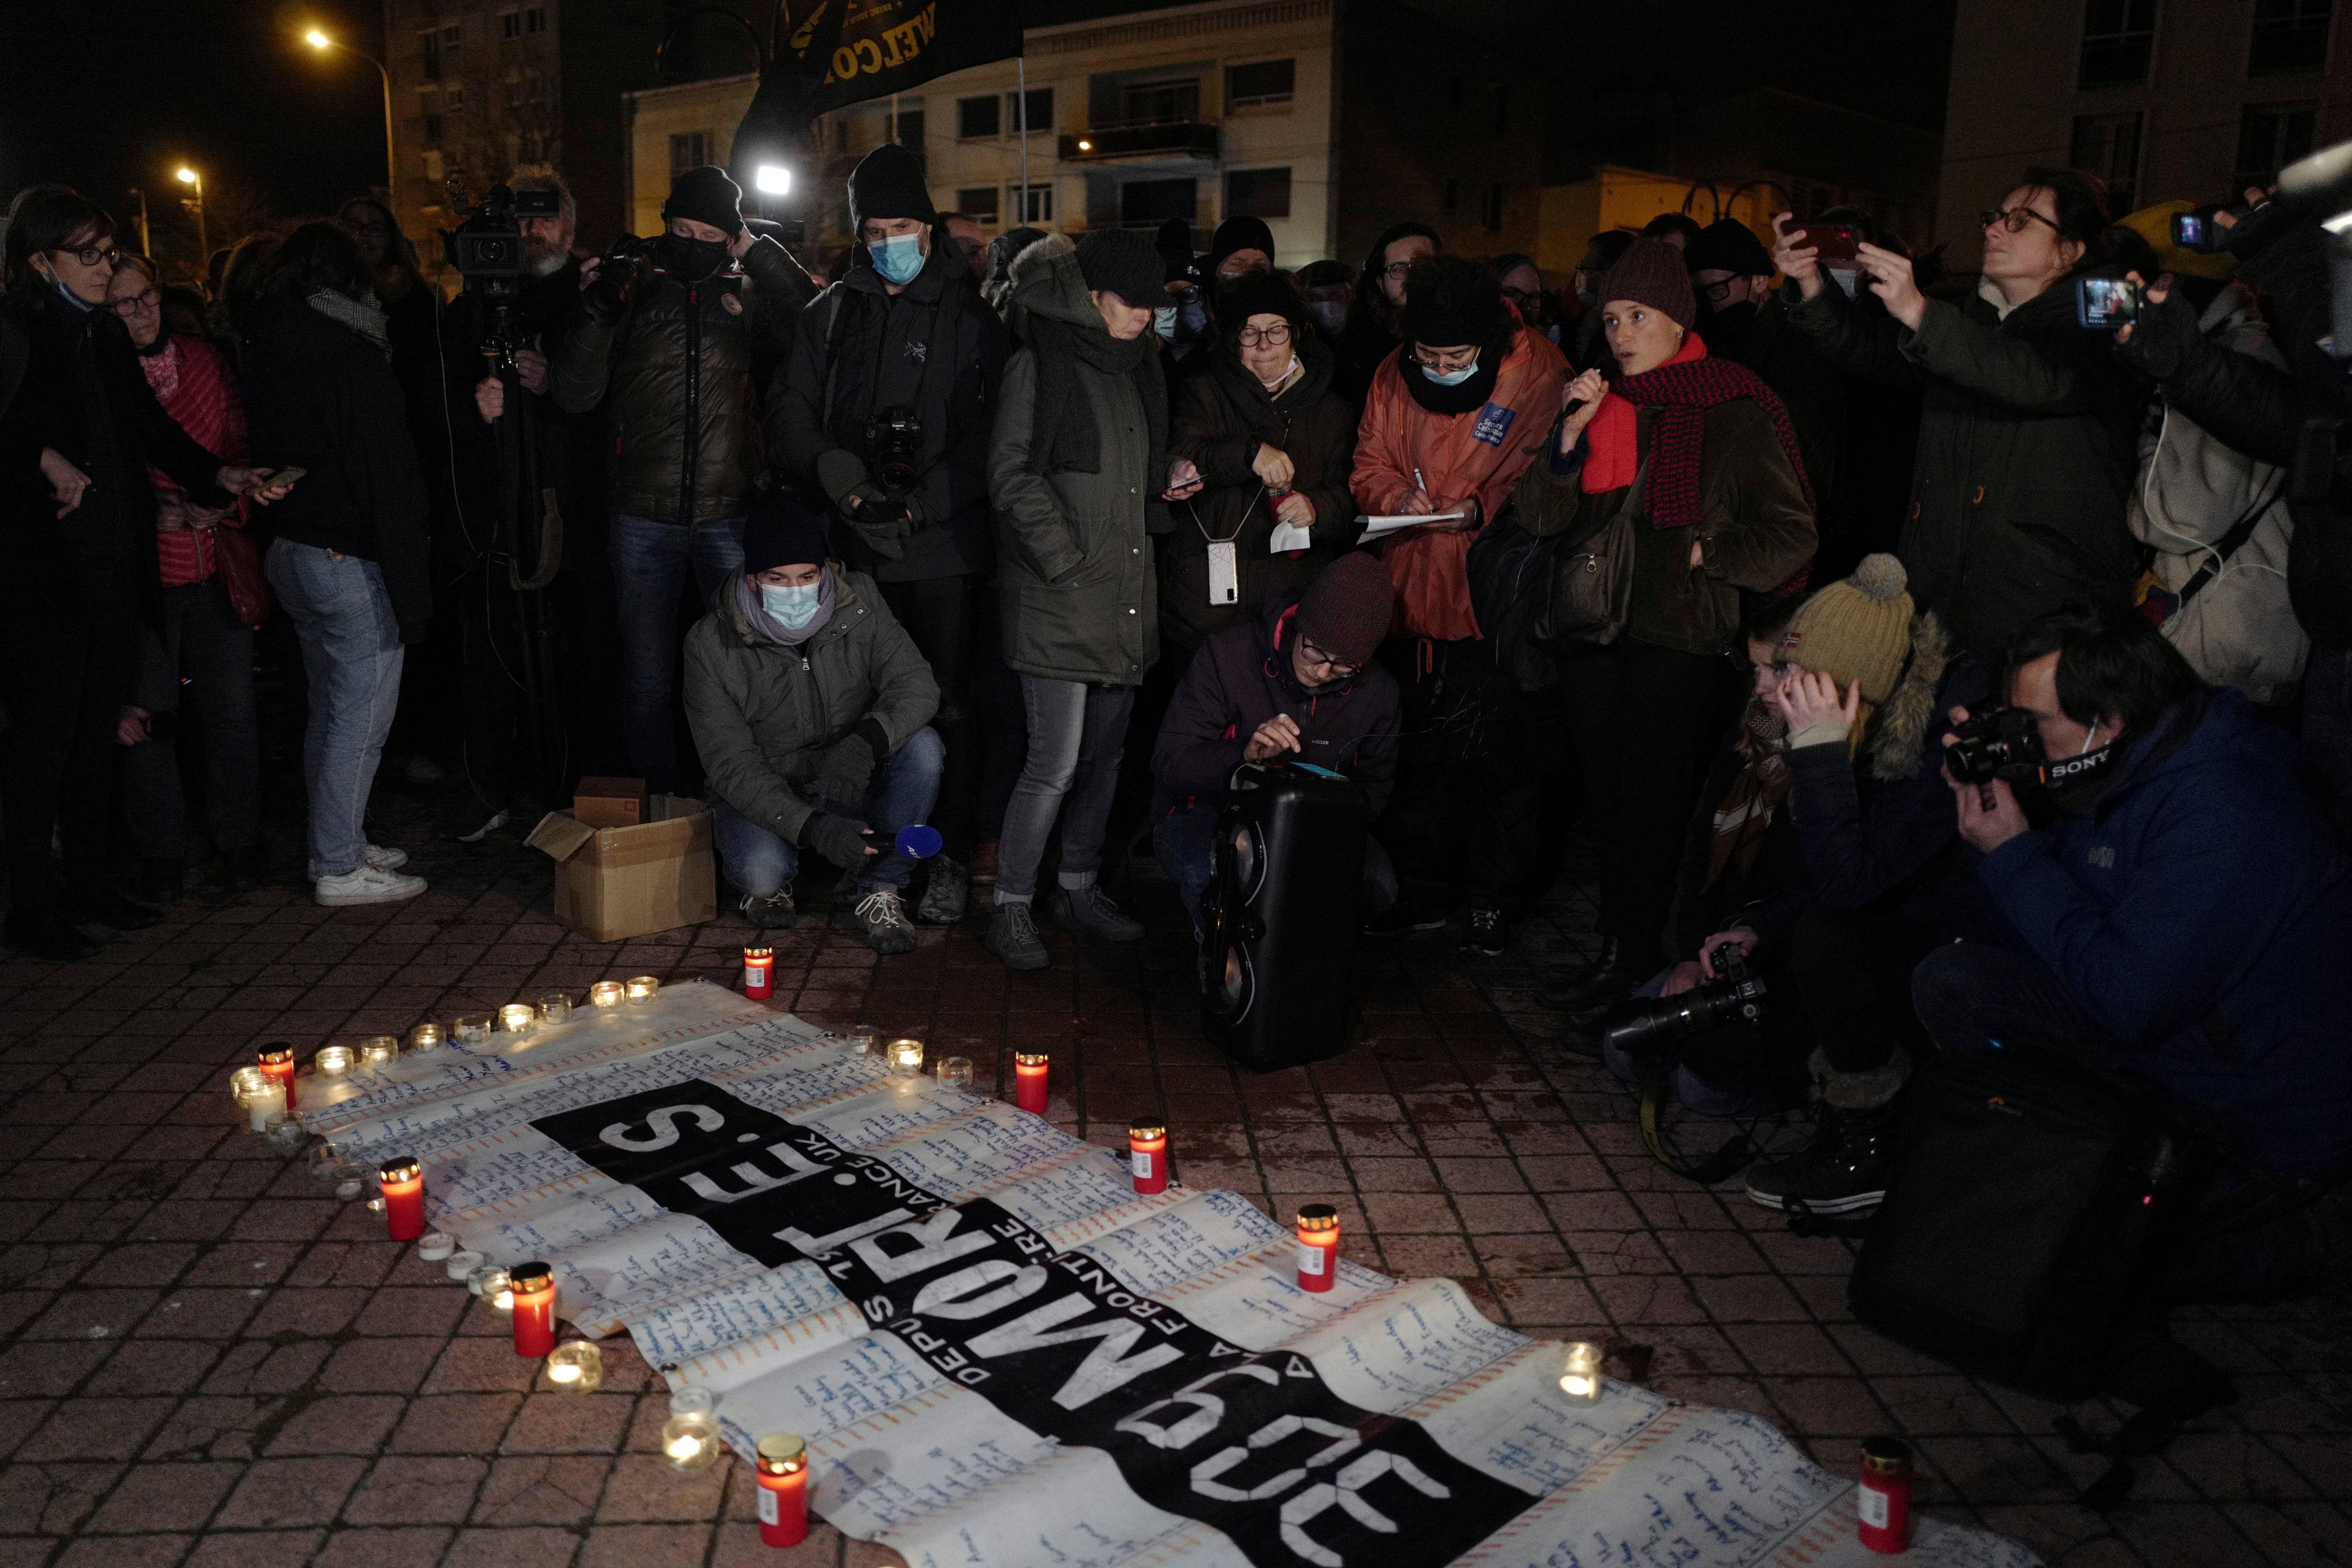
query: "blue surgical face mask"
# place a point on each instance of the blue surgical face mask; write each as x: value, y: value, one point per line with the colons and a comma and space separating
x: 793, y: 607
x: 898, y: 258
x: 1163, y: 321
x: 1195, y: 316
x: 1451, y: 377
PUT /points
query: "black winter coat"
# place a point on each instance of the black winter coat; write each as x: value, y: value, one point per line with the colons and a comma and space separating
x: 2028, y: 443
x: 319, y: 396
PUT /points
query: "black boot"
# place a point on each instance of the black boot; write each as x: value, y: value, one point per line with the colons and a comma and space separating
x: 44, y: 934
x: 1605, y: 979
x: 1843, y: 1169
x: 103, y: 903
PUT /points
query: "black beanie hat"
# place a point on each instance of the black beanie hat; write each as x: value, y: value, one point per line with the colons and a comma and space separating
x: 1727, y: 245
x: 1238, y: 234
x: 706, y: 195
x: 781, y: 532
x: 1256, y: 293
x: 1652, y: 273
x: 1122, y: 262
x: 1449, y: 303
x: 1344, y: 611
x: 888, y: 182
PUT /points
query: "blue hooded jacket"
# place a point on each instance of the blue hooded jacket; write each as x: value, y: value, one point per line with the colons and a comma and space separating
x: 2201, y: 911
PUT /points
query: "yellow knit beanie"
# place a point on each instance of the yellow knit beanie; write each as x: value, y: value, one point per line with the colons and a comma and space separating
x: 2154, y: 225
x: 1859, y: 629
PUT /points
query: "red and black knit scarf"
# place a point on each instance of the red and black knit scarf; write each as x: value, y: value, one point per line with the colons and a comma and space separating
x: 1683, y: 389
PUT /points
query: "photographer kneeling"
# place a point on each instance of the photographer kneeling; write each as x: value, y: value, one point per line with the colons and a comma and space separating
x: 2183, y: 915
x: 1296, y: 681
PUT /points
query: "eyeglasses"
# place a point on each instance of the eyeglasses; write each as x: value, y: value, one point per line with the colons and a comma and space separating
x: 1272, y: 337
x: 147, y: 299
x: 90, y: 254
x: 1717, y: 291
x: 1524, y: 299
x: 1315, y: 656
x: 2014, y: 219
x: 1396, y: 269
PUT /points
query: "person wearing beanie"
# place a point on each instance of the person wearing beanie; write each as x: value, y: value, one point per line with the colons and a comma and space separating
x: 1453, y: 419
x: 662, y: 346
x: 811, y: 709
x: 1079, y: 474
x: 1722, y: 508
x: 1273, y: 445
x: 1295, y: 681
x: 1240, y: 245
x: 883, y: 411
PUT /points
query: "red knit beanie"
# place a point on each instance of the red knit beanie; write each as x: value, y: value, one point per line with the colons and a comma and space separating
x: 1344, y: 611
x: 1653, y: 273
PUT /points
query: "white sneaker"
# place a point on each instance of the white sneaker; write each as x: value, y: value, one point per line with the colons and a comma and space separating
x: 385, y: 859
x: 367, y: 886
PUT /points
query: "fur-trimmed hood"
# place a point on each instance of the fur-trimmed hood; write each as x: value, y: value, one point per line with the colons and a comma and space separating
x: 1046, y: 282
x: 1899, y: 731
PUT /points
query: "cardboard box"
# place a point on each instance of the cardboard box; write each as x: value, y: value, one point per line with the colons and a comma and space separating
x: 616, y: 882
x: 611, y: 802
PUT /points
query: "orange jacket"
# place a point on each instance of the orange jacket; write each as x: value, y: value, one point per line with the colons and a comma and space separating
x: 1479, y: 455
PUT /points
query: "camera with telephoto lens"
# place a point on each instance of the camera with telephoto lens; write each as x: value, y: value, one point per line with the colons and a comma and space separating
x: 1643, y: 1029
x: 1999, y: 743
x: 894, y: 447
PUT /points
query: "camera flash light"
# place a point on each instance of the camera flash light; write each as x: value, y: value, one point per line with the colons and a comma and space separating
x: 775, y: 179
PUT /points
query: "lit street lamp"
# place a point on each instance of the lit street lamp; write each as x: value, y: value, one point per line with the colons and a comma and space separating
x: 196, y: 204
x: 322, y: 43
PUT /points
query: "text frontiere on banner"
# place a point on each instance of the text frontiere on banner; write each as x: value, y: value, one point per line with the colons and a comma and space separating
x: 1000, y: 1355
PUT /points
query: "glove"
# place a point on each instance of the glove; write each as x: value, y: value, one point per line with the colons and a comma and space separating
x: 846, y: 770
x: 837, y: 838
x: 2163, y: 338
x: 880, y: 520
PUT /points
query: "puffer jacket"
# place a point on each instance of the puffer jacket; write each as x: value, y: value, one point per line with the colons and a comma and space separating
x: 1755, y: 528
x: 2194, y: 489
x: 762, y: 714
x: 1220, y: 415
x: 2027, y: 436
x: 1078, y: 591
x: 679, y: 358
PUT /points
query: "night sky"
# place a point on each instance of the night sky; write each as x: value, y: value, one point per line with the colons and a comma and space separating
x: 110, y: 94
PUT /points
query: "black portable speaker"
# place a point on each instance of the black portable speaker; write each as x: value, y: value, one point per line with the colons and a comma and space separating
x: 1280, y: 913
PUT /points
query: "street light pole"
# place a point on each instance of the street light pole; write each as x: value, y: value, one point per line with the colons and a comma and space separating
x: 188, y: 176
x: 146, y: 246
x: 319, y: 40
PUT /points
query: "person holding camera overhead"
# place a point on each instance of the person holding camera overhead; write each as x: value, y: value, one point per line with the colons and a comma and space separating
x: 668, y: 331
x: 884, y: 409
x: 1694, y: 462
x: 2028, y: 427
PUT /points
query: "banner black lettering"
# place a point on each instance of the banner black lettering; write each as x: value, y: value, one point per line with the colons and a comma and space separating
x: 1254, y: 1444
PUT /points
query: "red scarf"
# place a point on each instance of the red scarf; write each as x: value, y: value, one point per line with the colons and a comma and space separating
x: 1685, y: 388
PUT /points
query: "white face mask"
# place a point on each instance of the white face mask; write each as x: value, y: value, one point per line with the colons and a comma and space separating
x: 1845, y: 278
x: 1451, y: 377
x: 793, y: 607
x: 1163, y: 322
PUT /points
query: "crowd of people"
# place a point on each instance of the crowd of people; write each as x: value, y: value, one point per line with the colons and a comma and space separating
x: 1696, y: 566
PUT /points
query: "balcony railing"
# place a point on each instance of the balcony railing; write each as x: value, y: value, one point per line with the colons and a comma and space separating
x: 1158, y: 138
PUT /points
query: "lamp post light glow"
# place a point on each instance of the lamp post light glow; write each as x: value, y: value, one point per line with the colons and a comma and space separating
x: 195, y: 202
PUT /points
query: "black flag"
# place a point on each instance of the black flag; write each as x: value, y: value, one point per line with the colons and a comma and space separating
x: 839, y: 52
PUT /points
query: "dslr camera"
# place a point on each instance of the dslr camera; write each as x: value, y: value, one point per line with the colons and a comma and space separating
x: 894, y: 447
x: 1998, y: 744
x: 1649, y: 1029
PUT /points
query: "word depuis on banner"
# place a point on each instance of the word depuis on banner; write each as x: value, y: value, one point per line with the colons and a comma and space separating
x: 1001, y: 1355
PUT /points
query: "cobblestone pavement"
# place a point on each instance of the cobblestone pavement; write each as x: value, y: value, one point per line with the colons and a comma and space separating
x: 208, y: 1362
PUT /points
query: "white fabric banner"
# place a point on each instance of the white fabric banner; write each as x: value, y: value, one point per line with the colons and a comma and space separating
x: 1001, y: 1355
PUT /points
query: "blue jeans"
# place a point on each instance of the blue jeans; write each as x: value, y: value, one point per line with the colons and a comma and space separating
x: 1186, y: 844
x: 352, y: 654
x: 1077, y: 735
x: 650, y: 559
x: 762, y: 864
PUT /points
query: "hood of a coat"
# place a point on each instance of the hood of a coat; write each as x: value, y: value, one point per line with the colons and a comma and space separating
x: 1274, y: 648
x: 1046, y: 282
x: 1899, y: 731
x: 725, y: 604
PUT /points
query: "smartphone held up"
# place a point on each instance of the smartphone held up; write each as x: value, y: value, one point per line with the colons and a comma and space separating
x: 2107, y: 304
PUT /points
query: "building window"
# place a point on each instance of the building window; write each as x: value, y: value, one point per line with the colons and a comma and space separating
x: 453, y: 99
x: 2107, y: 145
x: 430, y: 107
x: 978, y: 117
x: 509, y: 24
x: 429, y: 42
x: 1492, y: 215
x: 2270, y: 137
x: 2117, y: 37
x: 1173, y: 102
x: 1259, y: 84
x: 1502, y: 109
x: 1257, y: 192
x: 1041, y: 111
x: 978, y: 203
x: 1144, y: 202
x: 1450, y: 194
x: 2290, y: 37
x: 688, y: 150
x: 1035, y: 204
x: 534, y: 19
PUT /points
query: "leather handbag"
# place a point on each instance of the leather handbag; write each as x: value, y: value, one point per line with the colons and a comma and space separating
x: 1591, y: 591
x: 239, y: 565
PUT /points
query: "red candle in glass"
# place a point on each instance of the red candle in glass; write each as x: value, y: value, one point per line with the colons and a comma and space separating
x: 783, y: 1490
x: 403, y: 1181
x: 1029, y: 1081
x: 759, y: 973
x: 276, y: 1059
x: 1147, y: 1153
x: 1883, y: 1499
x: 534, y: 1309
x: 1318, y: 1246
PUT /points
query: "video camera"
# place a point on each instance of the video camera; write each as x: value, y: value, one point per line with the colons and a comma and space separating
x: 486, y: 248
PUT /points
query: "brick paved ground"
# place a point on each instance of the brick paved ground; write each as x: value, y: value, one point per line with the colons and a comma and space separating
x: 206, y: 1361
